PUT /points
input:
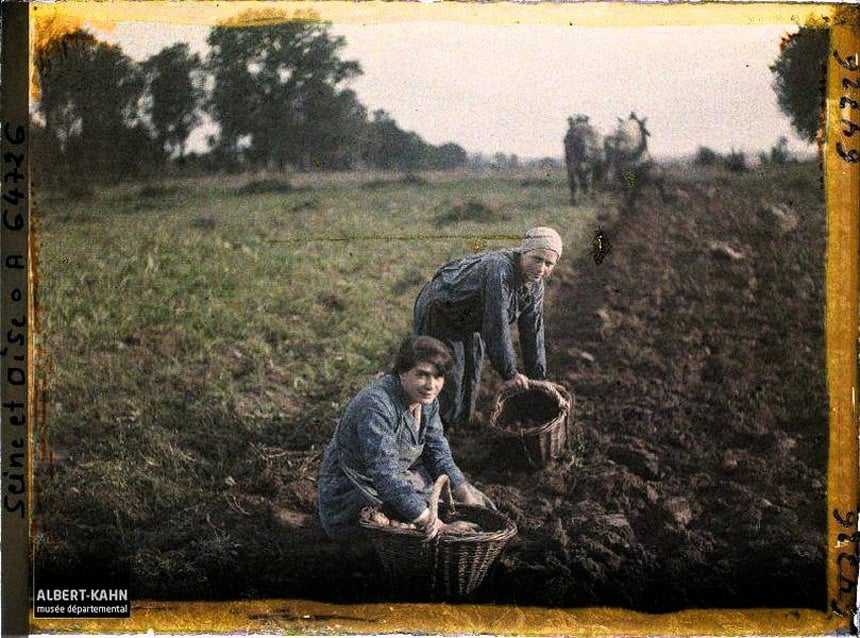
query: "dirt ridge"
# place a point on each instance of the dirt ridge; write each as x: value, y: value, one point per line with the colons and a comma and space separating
x: 695, y: 354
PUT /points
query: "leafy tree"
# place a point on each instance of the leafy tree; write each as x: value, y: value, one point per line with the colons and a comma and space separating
x: 387, y: 146
x: 331, y: 141
x: 779, y: 154
x: 449, y: 156
x: 736, y: 162
x: 705, y: 156
x: 172, y: 96
x: 88, y: 96
x: 799, y: 74
x: 276, y: 88
x: 503, y: 161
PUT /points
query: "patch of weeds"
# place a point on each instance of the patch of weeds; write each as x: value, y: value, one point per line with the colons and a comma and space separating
x: 736, y: 162
x: 149, y: 197
x: 412, y: 180
x: 205, y: 222
x: 84, y: 216
x: 155, y: 191
x: 536, y: 181
x: 409, y: 282
x: 307, y: 204
x: 53, y: 553
x: 803, y: 177
x: 331, y: 303
x: 804, y: 183
x: 706, y: 157
x: 80, y: 191
x: 376, y: 183
x: 268, y: 185
x: 172, y: 573
x: 471, y: 211
x: 409, y: 179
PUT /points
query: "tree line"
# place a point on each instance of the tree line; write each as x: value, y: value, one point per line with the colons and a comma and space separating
x: 273, y: 85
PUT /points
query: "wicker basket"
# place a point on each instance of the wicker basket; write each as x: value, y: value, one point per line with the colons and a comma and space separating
x: 449, y: 566
x: 531, y: 425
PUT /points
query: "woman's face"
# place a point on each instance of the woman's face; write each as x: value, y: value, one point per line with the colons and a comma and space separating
x: 537, y: 264
x: 421, y: 384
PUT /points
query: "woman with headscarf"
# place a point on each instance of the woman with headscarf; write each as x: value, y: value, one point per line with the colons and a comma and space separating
x: 471, y: 303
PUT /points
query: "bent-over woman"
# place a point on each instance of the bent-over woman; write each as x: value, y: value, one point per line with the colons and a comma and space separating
x: 471, y: 304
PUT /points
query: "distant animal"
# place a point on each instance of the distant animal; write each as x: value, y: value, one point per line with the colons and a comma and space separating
x: 628, y: 161
x: 584, y: 156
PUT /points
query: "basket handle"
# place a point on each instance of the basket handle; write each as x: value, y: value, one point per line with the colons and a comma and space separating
x: 442, y: 487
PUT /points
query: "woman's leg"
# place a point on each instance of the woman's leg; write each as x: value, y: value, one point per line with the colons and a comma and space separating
x: 452, y: 410
x: 473, y: 364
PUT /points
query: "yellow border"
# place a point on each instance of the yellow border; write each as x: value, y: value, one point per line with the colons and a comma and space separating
x: 842, y: 181
x: 843, y: 192
x: 310, y: 618
x: 587, y: 14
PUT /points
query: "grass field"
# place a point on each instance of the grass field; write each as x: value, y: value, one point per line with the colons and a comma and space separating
x: 183, y: 321
x: 272, y: 305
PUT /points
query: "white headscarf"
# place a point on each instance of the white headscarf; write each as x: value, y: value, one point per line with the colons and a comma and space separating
x: 542, y: 237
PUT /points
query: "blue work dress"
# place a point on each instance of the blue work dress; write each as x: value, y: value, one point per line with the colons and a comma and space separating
x: 471, y: 304
x: 376, y: 457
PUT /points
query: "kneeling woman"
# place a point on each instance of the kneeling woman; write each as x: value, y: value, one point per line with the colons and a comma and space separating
x: 388, y: 447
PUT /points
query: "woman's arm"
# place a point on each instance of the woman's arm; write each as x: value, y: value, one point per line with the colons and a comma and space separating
x: 437, y: 451
x: 463, y: 493
x: 531, y: 333
x: 495, y: 327
x: 377, y: 435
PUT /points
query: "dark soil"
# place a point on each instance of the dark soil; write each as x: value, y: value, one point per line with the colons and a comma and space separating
x: 695, y: 468
x: 696, y: 476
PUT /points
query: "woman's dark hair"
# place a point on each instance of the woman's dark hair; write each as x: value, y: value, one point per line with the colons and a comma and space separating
x: 423, y: 349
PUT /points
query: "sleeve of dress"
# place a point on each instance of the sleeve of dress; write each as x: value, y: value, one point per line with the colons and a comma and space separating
x: 495, y: 328
x: 377, y: 433
x: 531, y: 332
x: 437, y: 452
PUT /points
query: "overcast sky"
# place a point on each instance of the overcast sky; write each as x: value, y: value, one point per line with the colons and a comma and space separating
x: 510, y: 87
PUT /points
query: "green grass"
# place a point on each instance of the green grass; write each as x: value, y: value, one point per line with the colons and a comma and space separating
x: 182, y: 322
x: 254, y: 301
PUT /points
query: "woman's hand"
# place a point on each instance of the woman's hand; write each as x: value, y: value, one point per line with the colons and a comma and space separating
x: 463, y: 493
x: 429, y: 524
x: 519, y: 381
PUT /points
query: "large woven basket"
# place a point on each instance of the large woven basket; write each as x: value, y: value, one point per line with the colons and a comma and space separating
x: 449, y: 566
x: 531, y: 425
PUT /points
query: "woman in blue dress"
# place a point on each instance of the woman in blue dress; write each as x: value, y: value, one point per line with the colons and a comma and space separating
x: 471, y: 304
x: 388, y: 448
